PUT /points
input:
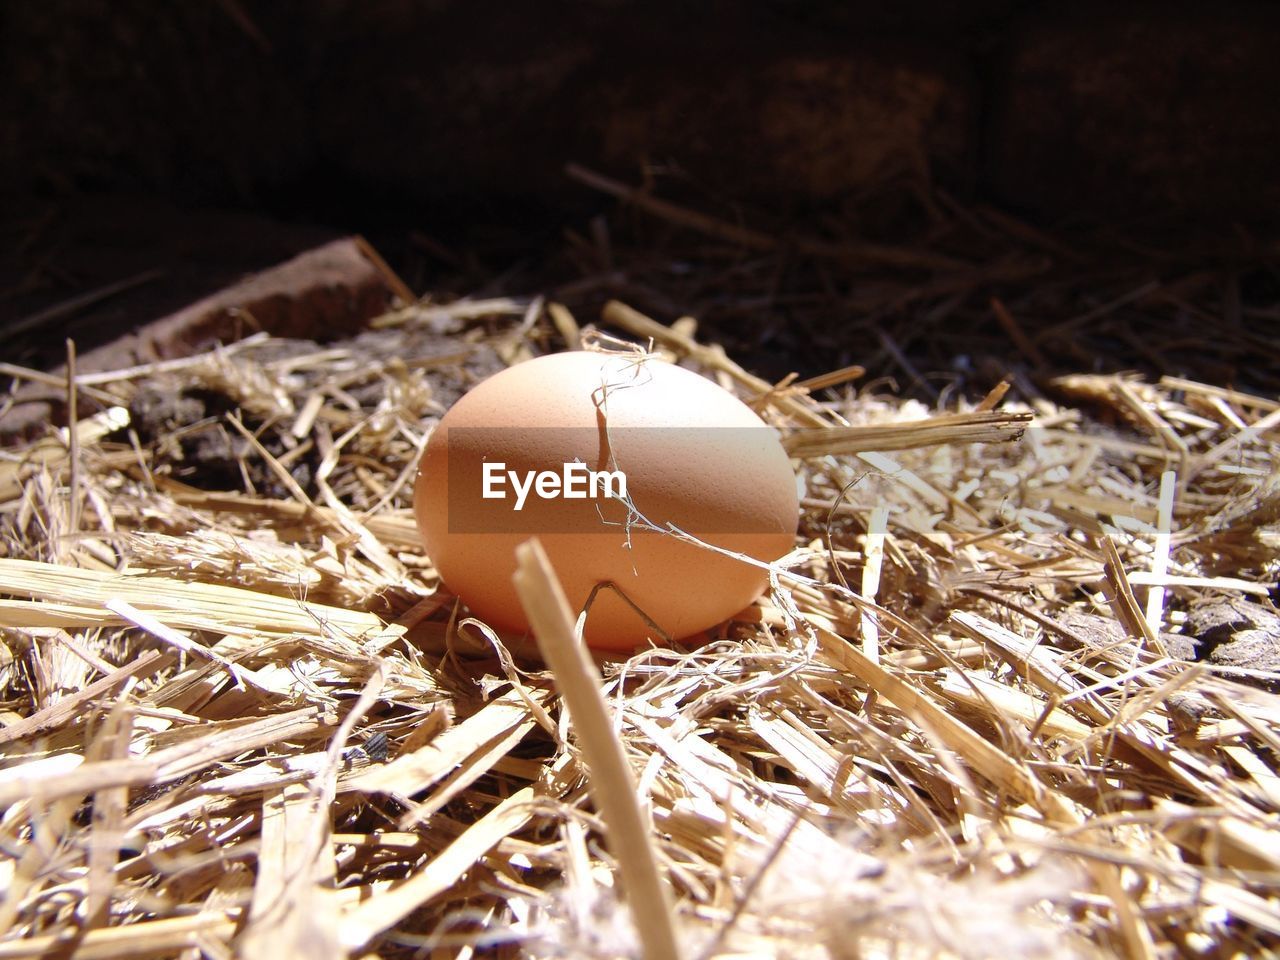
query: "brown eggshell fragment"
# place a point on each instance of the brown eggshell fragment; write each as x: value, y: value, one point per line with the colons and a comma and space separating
x: 693, y: 455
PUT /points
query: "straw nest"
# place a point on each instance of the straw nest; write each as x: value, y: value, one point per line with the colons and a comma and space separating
x: 989, y: 707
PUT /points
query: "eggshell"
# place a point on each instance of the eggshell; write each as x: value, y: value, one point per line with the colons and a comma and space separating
x: 693, y: 455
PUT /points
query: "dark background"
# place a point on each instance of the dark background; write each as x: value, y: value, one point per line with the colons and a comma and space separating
x: 192, y: 142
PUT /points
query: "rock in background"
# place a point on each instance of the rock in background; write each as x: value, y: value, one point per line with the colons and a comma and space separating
x: 1137, y: 109
x: 470, y: 110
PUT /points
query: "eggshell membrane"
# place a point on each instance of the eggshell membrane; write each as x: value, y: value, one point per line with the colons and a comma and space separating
x: 733, y: 488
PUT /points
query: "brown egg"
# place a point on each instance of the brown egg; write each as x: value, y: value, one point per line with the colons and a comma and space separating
x: 546, y: 447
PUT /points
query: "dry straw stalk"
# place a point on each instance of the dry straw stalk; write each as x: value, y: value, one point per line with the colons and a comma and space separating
x: 250, y: 719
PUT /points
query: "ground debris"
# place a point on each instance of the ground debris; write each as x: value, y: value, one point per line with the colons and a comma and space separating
x: 1238, y: 633
x: 236, y: 694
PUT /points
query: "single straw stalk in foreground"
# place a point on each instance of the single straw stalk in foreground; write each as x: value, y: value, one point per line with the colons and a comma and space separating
x: 610, y: 781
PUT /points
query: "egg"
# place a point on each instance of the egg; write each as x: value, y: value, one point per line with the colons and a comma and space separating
x: 601, y: 455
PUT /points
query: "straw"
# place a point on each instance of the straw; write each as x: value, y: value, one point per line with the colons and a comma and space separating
x: 241, y: 713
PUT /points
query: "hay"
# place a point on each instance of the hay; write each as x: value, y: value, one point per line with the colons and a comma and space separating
x: 248, y: 720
